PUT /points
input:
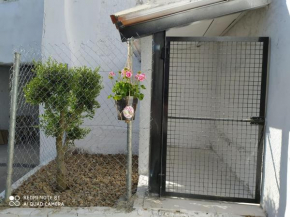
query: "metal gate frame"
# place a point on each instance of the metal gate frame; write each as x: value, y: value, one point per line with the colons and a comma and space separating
x: 259, y: 121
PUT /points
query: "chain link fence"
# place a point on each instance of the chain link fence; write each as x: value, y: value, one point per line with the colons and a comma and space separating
x: 70, y: 149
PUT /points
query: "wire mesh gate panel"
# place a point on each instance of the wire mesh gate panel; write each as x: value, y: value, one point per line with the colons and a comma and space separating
x: 213, y: 119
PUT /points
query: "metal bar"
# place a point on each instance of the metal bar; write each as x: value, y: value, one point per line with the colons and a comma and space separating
x: 12, y: 126
x: 129, y: 63
x: 129, y: 160
x: 165, y: 118
x: 219, y: 39
x: 262, y: 114
x: 264, y: 77
x: 156, y: 113
x: 206, y: 197
x: 216, y: 119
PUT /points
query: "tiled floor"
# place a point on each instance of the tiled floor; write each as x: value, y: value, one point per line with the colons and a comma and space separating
x: 202, y: 172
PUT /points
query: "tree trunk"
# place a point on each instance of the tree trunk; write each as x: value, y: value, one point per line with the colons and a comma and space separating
x: 60, y: 164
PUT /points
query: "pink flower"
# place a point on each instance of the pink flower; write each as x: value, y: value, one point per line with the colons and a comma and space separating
x: 111, y: 75
x: 137, y: 76
x: 128, y: 74
x: 141, y: 77
x: 123, y: 73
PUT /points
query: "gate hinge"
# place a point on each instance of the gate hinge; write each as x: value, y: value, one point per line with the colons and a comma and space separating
x: 257, y: 120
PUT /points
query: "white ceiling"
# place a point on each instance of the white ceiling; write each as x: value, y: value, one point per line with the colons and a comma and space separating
x: 213, y: 27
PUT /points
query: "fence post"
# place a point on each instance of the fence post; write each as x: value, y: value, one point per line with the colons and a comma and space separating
x: 129, y: 160
x: 129, y: 65
x: 13, y: 110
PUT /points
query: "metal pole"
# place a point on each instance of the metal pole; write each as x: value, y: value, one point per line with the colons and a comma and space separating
x: 129, y: 63
x: 129, y: 160
x: 13, y: 111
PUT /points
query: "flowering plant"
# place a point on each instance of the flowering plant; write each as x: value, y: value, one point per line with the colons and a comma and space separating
x: 127, y: 84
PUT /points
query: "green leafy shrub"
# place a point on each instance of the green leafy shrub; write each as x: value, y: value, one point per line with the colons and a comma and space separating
x: 68, y: 96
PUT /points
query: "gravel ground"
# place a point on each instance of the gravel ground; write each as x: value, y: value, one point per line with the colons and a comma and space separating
x: 93, y: 180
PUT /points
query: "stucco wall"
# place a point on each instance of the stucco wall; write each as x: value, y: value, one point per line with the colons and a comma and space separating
x: 20, y: 27
x: 274, y: 21
x: 81, y: 33
x: 145, y: 106
x: 77, y: 33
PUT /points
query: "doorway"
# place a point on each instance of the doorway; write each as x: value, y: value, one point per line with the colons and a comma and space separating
x: 4, y: 121
x: 213, y: 117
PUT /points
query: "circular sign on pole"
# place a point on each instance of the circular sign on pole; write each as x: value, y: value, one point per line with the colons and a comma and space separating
x: 128, y: 112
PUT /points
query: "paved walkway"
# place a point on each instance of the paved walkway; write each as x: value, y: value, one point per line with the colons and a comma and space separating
x: 103, y: 212
x: 147, y: 207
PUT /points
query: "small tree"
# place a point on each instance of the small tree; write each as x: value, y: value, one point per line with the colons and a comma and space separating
x: 68, y: 97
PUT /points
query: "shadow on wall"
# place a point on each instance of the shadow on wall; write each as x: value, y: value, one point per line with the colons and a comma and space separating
x: 269, y: 204
x: 277, y: 145
x: 274, y: 21
x: 279, y: 173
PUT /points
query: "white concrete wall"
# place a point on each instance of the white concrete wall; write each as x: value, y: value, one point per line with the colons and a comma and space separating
x: 47, y: 147
x: 81, y: 33
x: 20, y: 27
x: 145, y: 106
x: 78, y: 33
x: 274, y: 21
x: 4, y: 97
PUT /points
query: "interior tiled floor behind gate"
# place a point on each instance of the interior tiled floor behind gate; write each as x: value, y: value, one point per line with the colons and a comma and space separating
x: 202, y: 172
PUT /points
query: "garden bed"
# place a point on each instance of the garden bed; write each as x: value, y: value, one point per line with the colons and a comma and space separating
x: 93, y: 180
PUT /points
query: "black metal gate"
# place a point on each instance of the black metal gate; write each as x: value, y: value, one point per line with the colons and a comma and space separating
x: 213, y: 117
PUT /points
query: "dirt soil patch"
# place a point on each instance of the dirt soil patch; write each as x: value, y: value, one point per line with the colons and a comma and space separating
x: 93, y: 180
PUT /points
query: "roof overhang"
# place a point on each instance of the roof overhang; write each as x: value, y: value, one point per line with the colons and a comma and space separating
x: 148, y: 19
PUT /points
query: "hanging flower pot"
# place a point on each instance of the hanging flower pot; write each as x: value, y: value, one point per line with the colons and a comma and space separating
x: 126, y: 92
x: 126, y: 108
